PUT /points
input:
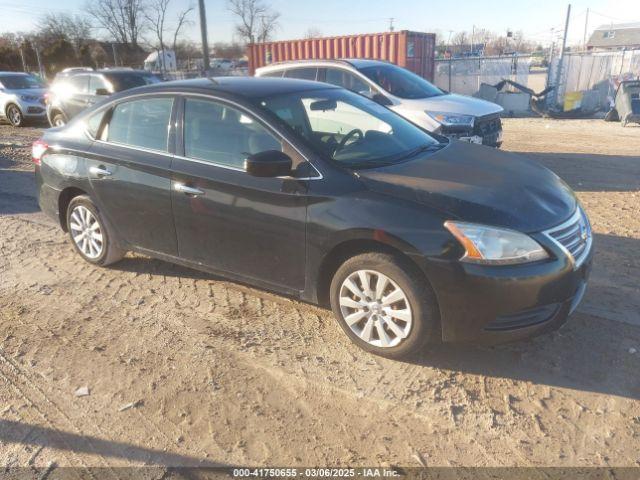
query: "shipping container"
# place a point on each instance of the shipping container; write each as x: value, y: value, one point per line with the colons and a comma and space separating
x: 412, y: 50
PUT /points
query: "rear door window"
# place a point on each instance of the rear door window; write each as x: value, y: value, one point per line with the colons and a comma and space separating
x: 223, y: 135
x: 79, y: 83
x: 276, y: 74
x: 345, y: 79
x: 141, y: 123
x: 307, y: 73
x: 96, y: 83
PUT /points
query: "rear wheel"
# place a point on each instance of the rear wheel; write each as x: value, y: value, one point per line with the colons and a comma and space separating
x: 384, y: 305
x: 90, y: 234
x: 14, y: 115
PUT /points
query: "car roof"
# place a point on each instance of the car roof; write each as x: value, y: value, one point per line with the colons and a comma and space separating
x: 15, y: 74
x: 120, y: 71
x: 248, y: 87
x: 353, y: 62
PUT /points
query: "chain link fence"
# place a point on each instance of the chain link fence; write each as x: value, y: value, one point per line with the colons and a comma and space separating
x: 598, y: 73
x: 465, y: 75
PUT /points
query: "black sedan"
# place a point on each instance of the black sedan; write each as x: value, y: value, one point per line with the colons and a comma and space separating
x: 317, y: 192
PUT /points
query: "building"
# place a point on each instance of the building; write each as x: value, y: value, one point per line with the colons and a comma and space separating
x: 620, y: 36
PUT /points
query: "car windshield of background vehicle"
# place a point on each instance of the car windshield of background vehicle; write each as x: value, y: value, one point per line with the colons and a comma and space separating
x: 127, y: 81
x: 401, y: 82
x: 349, y: 128
x: 20, y: 82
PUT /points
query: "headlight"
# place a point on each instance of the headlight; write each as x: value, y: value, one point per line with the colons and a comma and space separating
x: 29, y: 98
x: 452, y: 120
x: 495, y: 246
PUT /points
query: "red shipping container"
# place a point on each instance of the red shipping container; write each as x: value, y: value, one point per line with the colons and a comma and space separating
x: 414, y: 51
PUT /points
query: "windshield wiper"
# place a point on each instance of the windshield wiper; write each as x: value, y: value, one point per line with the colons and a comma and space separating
x: 431, y: 147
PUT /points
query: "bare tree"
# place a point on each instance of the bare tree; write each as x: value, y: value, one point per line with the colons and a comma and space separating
x: 257, y: 20
x: 228, y: 50
x: 75, y: 29
x: 123, y: 19
x: 156, y: 16
x: 182, y: 21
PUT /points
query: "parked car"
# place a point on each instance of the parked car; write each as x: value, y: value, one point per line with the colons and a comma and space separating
x: 455, y: 116
x: 71, y: 71
x: 22, y: 98
x: 408, y: 237
x: 78, y: 89
x: 221, y: 63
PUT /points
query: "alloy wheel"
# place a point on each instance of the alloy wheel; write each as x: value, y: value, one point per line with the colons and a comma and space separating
x: 15, y: 116
x: 86, y: 232
x: 375, y: 308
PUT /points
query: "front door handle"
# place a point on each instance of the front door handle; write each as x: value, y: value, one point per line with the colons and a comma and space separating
x: 181, y: 187
x: 99, y: 171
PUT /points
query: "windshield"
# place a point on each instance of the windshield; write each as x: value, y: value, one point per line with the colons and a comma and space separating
x: 349, y: 128
x: 401, y: 82
x: 126, y: 81
x: 19, y: 82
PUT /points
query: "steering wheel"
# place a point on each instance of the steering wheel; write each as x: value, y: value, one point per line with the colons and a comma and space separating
x: 347, y: 137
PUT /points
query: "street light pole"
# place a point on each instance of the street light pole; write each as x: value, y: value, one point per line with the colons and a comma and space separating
x: 203, y: 34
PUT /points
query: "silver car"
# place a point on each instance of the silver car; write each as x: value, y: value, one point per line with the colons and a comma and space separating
x: 22, y: 98
x: 455, y: 116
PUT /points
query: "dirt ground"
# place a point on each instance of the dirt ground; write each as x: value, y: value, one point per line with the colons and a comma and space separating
x: 186, y: 369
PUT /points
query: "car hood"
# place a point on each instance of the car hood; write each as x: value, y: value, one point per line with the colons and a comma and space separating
x: 453, y: 103
x: 35, y: 92
x: 479, y: 184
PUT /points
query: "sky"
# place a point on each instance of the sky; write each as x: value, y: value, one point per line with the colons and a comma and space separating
x: 536, y: 18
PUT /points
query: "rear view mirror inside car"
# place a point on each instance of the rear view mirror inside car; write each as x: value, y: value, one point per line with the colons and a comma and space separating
x: 323, y: 105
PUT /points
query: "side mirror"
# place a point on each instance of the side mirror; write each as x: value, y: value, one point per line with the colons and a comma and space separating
x: 270, y: 163
x: 381, y: 99
x: 102, y: 91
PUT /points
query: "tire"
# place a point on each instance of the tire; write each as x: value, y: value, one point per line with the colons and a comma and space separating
x: 103, y: 250
x: 612, y: 116
x: 407, y: 337
x: 14, y: 115
x: 58, y: 120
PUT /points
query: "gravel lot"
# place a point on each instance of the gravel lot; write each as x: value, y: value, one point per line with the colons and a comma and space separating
x: 183, y: 368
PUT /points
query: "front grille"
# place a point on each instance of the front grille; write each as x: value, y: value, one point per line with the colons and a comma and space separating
x: 487, y: 125
x: 574, y: 236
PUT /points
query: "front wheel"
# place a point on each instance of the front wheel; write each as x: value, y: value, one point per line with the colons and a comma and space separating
x: 58, y: 120
x: 14, y: 115
x: 89, y: 233
x: 384, y: 304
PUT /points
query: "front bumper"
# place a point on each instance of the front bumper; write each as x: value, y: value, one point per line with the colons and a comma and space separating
x: 496, y: 304
x: 486, y: 130
x: 33, y: 109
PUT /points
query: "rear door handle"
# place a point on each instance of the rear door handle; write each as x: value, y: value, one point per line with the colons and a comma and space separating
x: 181, y: 187
x: 99, y: 171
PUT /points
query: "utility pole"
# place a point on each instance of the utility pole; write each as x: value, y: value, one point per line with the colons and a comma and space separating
x: 203, y: 34
x: 24, y: 64
x: 586, y: 27
x: 115, y: 57
x: 558, y: 78
x: 473, y: 34
x: 391, y: 24
x: 40, y: 70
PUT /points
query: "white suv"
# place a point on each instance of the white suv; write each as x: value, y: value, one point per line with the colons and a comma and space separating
x: 456, y: 116
x: 22, y: 98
